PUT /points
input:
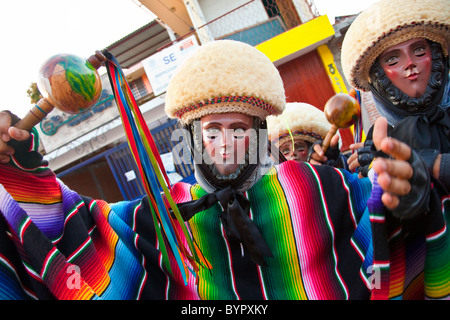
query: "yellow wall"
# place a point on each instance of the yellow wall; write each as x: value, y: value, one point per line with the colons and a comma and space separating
x: 330, y: 66
x: 312, y: 34
x: 297, y: 39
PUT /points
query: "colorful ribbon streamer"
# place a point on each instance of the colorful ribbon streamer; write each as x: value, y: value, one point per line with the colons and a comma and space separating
x: 153, y: 175
x: 358, y: 134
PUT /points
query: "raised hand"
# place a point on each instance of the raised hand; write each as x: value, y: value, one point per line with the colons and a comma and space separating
x: 8, y: 132
x: 393, y: 174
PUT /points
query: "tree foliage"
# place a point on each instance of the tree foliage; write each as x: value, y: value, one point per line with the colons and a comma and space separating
x: 33, y: 93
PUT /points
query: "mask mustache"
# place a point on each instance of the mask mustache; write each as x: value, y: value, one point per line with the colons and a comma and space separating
x: 410, y: 71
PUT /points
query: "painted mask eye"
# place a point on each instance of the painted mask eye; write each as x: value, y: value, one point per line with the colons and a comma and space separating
x: 212, y: 133
x: 239, y: 133
x: 285, y: 150
x: 391, y: 60
x: 420, y: 51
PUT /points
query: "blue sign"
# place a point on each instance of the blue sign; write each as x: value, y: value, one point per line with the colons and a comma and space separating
x: 50, y: 125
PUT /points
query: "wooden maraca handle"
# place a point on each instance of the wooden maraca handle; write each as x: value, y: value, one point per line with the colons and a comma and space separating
x: 35, y: 115
x: 44, y: 106
x: 97, y: 59
x: 329, y: 136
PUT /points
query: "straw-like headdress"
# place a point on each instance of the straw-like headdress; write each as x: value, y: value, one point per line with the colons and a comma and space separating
x: 225, y: 76
x: 302, y: 120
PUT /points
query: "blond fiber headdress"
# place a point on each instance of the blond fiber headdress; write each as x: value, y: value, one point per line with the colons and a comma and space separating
x: 225, y: 76
x: 301, y: 120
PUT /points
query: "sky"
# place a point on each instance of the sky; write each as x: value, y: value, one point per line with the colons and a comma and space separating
x: 31, y: 31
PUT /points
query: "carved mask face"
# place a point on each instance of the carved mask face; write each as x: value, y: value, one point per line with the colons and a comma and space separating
x: 408, y: 66
x: 298, y: 153
x: 226, y: 139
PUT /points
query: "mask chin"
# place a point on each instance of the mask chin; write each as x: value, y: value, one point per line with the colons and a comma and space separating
x: 230, y: 177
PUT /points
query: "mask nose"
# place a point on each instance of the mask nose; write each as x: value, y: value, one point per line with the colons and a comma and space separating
x: 290, y: 156
x: 227, y: 138
x: 410, y: 64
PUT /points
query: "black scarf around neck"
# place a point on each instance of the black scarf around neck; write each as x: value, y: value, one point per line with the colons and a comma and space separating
x: 235, y: 220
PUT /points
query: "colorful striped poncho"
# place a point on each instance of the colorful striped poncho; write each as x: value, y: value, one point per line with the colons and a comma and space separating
x: 325, y: 243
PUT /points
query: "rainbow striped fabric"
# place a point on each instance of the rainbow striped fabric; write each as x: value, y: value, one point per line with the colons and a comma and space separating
x: 55, y: 244
x: 308, y: 226
x: 413, y: 259
x: 326, y: 242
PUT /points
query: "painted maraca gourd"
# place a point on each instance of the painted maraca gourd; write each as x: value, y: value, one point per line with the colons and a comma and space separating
x: 68, y: 83
x: 341, y: 110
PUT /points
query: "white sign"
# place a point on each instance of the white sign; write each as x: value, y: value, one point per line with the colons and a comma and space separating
x: 161, y: 66
x: 130, y: 175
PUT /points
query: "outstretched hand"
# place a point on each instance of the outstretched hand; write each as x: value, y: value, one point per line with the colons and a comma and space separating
x: 352, y: 161
x: 393, y: 174
x: 7, y: 132
x: 318, y: 157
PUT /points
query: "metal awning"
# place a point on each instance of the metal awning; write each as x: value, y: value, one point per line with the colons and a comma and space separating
x: 139, y: 44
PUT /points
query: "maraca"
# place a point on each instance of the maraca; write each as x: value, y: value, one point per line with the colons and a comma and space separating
x: 68, y: 83
x: 341, y: 110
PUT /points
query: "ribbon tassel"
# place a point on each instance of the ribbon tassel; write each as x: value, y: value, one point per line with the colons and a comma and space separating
x: 154, y: 177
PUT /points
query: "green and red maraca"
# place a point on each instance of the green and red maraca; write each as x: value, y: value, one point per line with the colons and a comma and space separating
x: 68, y: 83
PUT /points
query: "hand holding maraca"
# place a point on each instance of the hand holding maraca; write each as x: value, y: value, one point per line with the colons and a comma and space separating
x: 341, y: 110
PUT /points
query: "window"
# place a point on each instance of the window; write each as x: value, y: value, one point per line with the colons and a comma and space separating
x: 138, y: 89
